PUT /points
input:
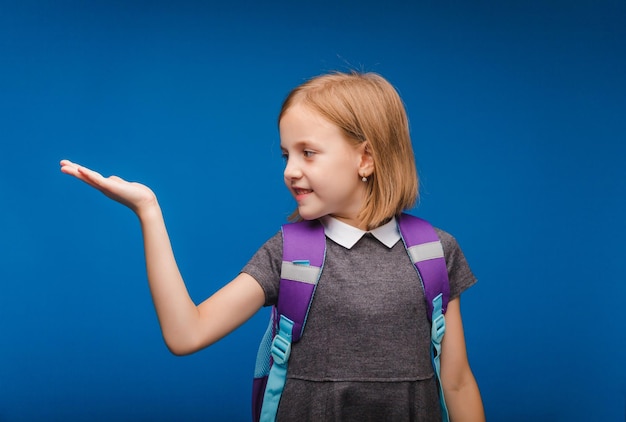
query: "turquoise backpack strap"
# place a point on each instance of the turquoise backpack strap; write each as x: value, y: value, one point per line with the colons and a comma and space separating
x: 426, y: 253
x: 304, y: 250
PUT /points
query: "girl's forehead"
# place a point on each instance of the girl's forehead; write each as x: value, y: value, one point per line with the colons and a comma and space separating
x: 300, y: 116
x: 300, y: 109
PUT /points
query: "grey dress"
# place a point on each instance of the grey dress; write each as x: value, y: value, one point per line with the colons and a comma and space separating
x: 365, y: 352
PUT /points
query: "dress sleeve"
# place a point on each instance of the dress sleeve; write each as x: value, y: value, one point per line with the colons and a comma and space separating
x: 265, y: 265
x: 459, y: 272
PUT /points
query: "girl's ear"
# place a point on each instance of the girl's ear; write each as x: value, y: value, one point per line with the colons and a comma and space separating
x: 366, y: 165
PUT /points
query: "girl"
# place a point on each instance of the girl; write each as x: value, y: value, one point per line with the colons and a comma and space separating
x: 349, y: 163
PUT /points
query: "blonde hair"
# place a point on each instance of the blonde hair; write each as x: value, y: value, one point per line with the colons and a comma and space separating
x: 367, y: 108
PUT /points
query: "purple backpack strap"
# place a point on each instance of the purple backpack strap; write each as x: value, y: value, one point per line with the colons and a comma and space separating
x: 426, y: 253
x: 304, y: 249
x: 424, y: 248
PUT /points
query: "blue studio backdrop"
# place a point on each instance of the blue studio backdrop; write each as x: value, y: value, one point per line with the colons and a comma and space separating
x: 517, y: 113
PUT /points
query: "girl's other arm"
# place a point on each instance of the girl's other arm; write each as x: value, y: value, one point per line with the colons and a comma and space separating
x: 186, y: 327
x: 459, y: 385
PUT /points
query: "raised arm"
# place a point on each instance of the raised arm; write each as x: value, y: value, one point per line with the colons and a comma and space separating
x: 459, y: 385
x: 186, y: 327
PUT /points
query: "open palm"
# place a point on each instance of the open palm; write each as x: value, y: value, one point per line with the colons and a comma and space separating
x: 132, y: 194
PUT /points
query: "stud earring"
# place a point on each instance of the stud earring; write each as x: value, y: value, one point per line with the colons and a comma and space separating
x: 363, y: 179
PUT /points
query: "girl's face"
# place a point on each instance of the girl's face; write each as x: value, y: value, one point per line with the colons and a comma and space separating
x: 322, y: 167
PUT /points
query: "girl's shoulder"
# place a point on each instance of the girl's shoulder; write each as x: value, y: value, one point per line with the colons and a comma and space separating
x: 459, y: 272
x: 448, y: 241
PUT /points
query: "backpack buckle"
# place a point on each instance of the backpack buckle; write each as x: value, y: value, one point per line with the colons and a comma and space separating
x: 438, y: 329
x: 281, y: 349
x: 281, y: 345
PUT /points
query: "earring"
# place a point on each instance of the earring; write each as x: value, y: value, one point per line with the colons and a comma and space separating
x: 363, y: 179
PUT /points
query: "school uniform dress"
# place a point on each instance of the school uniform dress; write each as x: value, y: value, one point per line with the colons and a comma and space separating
x: 365, y: 351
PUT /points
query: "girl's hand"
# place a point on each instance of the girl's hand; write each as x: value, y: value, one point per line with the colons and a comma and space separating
x: 134, y: 195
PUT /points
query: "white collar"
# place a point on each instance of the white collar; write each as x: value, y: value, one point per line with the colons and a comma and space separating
x: 347, y: 235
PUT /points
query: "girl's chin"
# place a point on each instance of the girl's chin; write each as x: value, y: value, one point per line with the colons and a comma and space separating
x: 308, y: 215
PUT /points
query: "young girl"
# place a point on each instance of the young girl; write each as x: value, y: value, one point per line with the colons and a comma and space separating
x: 349, y: 163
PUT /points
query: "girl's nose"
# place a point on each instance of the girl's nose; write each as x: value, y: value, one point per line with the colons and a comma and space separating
x: 292, y: 171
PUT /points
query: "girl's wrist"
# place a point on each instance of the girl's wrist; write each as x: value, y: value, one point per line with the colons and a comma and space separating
x: 148, y: 210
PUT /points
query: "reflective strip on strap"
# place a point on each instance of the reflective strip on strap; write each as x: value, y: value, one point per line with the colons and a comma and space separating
x: 298, y: 272
x: 426, y: 251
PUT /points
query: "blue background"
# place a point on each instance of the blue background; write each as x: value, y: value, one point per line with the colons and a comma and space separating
x: 517, y: 113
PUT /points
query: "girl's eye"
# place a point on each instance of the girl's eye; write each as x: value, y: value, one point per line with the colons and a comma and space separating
x: 285, y: 156
x: 308, y: 154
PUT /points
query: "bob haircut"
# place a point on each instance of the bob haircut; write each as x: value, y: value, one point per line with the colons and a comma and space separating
x: 368, y: 109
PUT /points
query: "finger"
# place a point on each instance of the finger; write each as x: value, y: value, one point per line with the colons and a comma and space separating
x: 69, y: 167
x: 66, y: 165
x: 90, y: 176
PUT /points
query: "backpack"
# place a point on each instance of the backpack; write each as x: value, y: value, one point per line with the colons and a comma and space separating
x: 304, y: 250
